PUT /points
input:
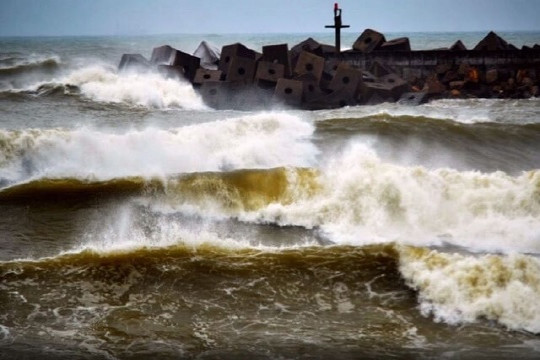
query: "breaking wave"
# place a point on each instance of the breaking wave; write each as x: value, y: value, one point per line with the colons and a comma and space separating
x: 254, y: 141
x: 100, y: 83
x: 141, y: 89
x: 456, y: 288
x: 16, y: 65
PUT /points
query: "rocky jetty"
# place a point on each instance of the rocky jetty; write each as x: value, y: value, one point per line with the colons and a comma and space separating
x: 311, y: 75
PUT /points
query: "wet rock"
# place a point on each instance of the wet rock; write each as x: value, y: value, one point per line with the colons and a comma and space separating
x: 442, y: 68
x: 413, y: 98
x: 491, y: 76
x: 379, y: 69
x: 375, y: 92
x: 336, y: 99
x: 397, y: 85
x: 463, y: 69
x: 451, y: 75
x: 434, y: 87
x: 456, y: 85
x: 368, y: 77
x: 368, y: 41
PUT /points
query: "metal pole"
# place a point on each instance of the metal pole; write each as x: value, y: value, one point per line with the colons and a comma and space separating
x: 337, y: 26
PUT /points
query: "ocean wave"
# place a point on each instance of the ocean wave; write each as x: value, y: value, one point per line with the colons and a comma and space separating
x: 150, y: 90
x: 263, y: 140
x: 465, y: 111
x: 356, y: 199
x: 102, y: 83
x: 359, y: 199
x: 412, y: 139
x: 18, y: 65
x: 453, y: 288
x: 463, y: 289
x: 363, y: 199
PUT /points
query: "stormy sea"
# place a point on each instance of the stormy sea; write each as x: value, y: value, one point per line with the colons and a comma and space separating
x: 137, y: 223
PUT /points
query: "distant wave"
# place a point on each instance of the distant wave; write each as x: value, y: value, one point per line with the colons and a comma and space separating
x: 436, y: 128
x: 12, y: 66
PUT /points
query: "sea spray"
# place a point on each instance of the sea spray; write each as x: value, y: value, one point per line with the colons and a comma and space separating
x: 262, y: 140
x: 150, y: 90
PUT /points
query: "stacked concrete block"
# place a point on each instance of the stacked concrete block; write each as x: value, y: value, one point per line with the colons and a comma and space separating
x: 206, y: 75
x: 268, y: 73
x: 188, y: 63
x: 368, y: 41
x: 492, y: 42
x: 413, y: 98
x: 278, y: 54
x: 241, y: 69
x: 399, y: 44
x: 162, y: 55
x: 230, y: 52
x: 311, y: 64
x: 458, y: 46
x: 289, y: 91
x: 208, y: 54
x: 215, y: 94
x: 135, y: 62
x: 312, y: 76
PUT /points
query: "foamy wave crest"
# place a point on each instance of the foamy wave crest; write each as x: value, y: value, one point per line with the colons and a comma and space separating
x: 362, y: 200
x: 103, y: 84
x: 459, y: 289
x: 21, y: 63
x: 469, y: 111
x: 254, y: 141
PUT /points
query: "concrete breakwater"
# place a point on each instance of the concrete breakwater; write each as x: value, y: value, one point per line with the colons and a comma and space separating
x: 314, y: 76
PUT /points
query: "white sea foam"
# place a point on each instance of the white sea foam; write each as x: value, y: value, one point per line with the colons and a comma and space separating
x: 254, y: 141
x: 363, y: 200
x: 459, y: 289
x: 5, y: 335
x: 151, y: 90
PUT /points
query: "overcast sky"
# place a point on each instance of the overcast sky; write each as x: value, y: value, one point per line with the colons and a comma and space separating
x: 136, y: 17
